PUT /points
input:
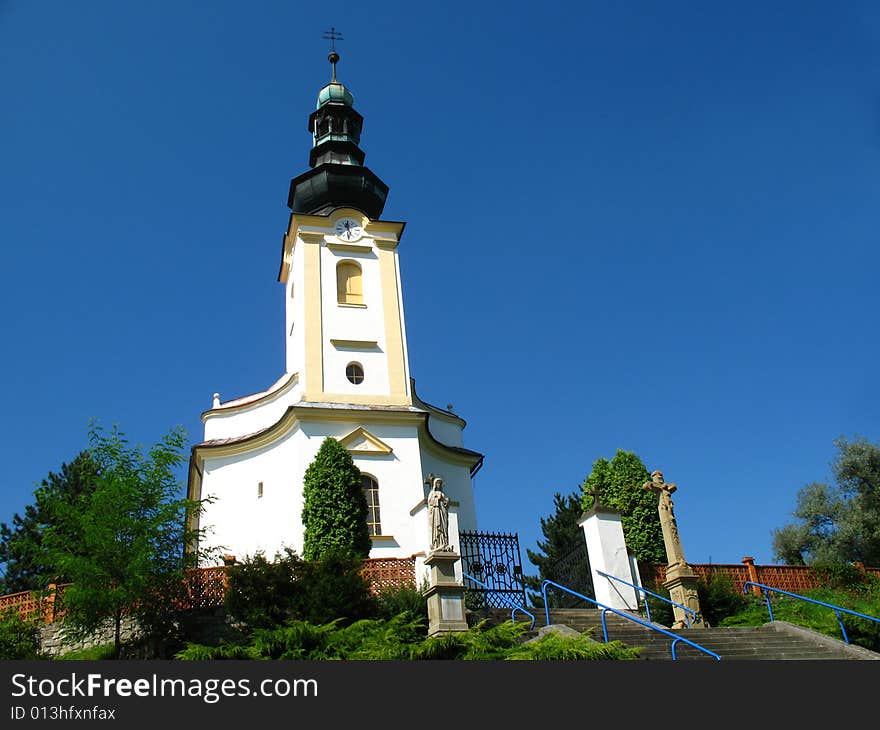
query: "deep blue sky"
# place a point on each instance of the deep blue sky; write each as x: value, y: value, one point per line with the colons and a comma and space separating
x: 650, y: 226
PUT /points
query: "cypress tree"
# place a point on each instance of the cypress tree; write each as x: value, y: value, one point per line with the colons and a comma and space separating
x: 334, y: 507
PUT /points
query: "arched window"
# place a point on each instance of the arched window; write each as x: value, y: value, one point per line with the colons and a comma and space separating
x: 349, y: 286
x: 371, y: 494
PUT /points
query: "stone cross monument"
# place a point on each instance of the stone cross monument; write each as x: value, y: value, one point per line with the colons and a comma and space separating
x: 681, y: 581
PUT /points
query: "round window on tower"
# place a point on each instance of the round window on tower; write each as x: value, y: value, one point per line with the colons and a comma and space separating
x: 354, y: 371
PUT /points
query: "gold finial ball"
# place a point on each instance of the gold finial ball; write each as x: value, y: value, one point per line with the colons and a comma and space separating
x: 333, y: 57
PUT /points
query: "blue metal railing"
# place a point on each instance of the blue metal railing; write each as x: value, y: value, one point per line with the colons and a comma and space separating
x: 649, y: 593
x: 837, y: 609
x: 516, y: 607
x: 606, y: 609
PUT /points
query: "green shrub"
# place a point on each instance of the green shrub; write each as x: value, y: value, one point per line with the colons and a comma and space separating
x: 719, y: 599
x: 371, y: 639
x: 862, y: 632
x: 554, y: 647
x: 333, y: 589
x: 262, y: 592
x: 19, y: 638
x: 661, y: 611
x: 266, y: 594
x: 402, y: 638
x: 843, y: 576
x: 396, y: 600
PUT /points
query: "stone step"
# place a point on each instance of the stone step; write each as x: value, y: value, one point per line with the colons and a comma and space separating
x: 734, y: 643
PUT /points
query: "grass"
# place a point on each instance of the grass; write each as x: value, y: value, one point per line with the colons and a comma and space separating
x: 103, y: 651
x: 820, y: 618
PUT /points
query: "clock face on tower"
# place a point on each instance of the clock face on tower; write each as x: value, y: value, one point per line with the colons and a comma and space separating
x: 348, y: 229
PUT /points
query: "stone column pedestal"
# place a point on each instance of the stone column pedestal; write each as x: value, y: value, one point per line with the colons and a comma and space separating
x: 607, y: 552
x: 445, y: 594
x: 681, y: 582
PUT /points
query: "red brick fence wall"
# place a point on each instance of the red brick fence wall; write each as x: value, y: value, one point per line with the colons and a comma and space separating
x: 792, y: 578
x: 205, y: 588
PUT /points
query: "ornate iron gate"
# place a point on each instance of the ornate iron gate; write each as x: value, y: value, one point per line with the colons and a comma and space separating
x: 493, y: 558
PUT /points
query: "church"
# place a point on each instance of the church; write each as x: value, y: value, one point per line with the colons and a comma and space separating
x: 346, y: 374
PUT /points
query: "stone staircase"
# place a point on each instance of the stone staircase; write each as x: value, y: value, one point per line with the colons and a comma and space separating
x: 778, y: 640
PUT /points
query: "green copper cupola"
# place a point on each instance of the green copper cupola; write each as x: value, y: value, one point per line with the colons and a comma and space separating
x: 338, y: 178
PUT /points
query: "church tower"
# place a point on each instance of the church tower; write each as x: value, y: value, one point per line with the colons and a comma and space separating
x: 346, y: 376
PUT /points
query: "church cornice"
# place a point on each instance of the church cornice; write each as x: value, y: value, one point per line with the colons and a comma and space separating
x: 247, y: 402
x: 436, y: 410
x: 316, y: 228
x: 303, y: 412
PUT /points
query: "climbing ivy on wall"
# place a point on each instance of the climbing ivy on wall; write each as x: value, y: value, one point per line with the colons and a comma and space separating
x: 619, y: 482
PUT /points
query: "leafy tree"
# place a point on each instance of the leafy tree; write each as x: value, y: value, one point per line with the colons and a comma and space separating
x: 334, y: 507
x: 122, y: 543
x: 22, y: 551
x: 561, y: 536
x: 619, y: 483
x: 841, y: 522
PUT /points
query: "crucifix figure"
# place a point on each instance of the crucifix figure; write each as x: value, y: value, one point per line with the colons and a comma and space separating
x: 671, y: 538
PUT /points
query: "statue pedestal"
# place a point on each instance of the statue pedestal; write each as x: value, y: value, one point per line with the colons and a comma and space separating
x: 606, y: 549
x: 445, y: 594
x: 681, y: 582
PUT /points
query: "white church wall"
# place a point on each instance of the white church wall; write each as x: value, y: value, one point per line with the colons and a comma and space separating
x: 373, y: 361
x: 345, y: 322
x: 239, y: 520
x: 244, y: 522
x: 446, y: 430
x: 399, y: 475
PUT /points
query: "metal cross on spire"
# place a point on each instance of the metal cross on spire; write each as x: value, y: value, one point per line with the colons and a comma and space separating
x: 332, y: 35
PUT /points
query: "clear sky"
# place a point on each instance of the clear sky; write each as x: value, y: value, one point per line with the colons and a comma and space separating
x: 641, y: 225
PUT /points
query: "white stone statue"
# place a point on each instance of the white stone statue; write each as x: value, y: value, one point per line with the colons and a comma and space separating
x: 438, y: 515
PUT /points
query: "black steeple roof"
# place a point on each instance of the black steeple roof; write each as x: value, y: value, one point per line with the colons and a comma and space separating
x: 338, y: 177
